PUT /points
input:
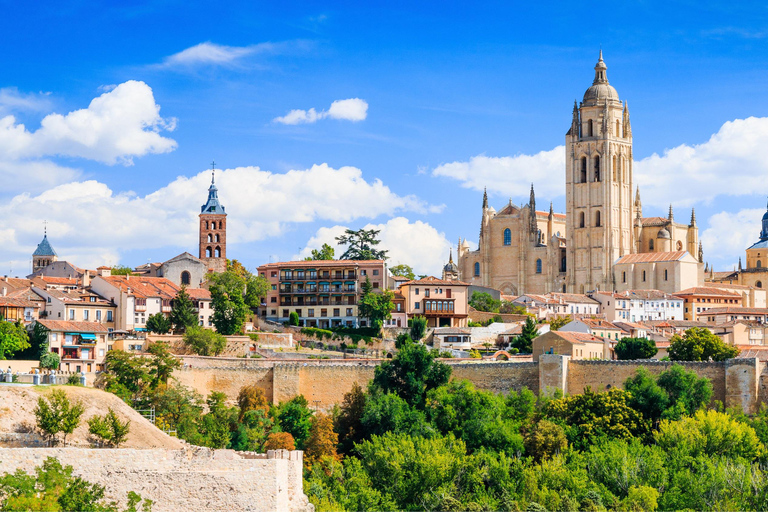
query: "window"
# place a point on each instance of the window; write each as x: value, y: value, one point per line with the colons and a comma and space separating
x: 210, y: 238
x: 583, y: 170
x: 208, y: 252
x: 623, y: 277
x: 581, y: 219
x: 597, y: 219
x: 286, y: 313
x: 477, y: 269
x: 507, y: 237
x: 375, y: 284
x: 375, y: 272
x: 650, y: 244
x: 416, y: 291
x: 272, y: 300
x: 363, y: 272
x: 759, y: 284
x: 617, y: 127
x: 85, y: 315
x: 310, y: 313
x: 665, y: 275
x: 186, y: 278
x: 448, y: 293
x: 336, y: 312
x: 218, y: 252
x: 538, y: 266
x: 71, y: 314
x: 349, y: 311
x: 274, y: 287
x: 643, y: 275
x: 416, y: 305
x: 98, y: 315
x: 597, y: 168
x: 589, y: 128
x: 217, y: 238
x: 759, y: 264
x: 109, y: 316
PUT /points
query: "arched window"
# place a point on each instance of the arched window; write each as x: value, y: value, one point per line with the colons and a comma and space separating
x: 206, y: 224
x: 597, y: 168
x: 597, y: 219
x: 589, y: 128
x: 759, y: 284
x: 218, y: 252
x: 759, y: 264
x: 538, y: 266
x: 562, y: 264
x: 650, y: 245
x: 217, y: 238
x: 186, y: 278
x: 208, y: 252
x: 581, y: 219
x: 679, y: 245
x: 583, y: 170
x: 440, y: 306
x: 617, y: 127
x: 507, y: 237
x: 477, y: 269
x: 210, y: 238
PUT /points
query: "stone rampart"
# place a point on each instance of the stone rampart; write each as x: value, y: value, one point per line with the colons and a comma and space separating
x: 191, y: 479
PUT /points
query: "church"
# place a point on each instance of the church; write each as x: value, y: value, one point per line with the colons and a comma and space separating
x: 524, y: 250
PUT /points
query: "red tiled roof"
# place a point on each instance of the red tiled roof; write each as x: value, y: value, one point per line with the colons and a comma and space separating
x: 735, y: 311
x: 706, y: 290
x: 597, y: 323
x: 199, y: 293
x: 572, y: 298
x: 144, y: 287
x: 430, y: 281
x: 17, y: 302
x: 645, y: 294
x: 66, y: 326
x: 321, y: 263
x: 577, y: 337
x: 59, y: 280
x: 650, y: 257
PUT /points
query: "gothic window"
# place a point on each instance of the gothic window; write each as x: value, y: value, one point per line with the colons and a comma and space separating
x: 218, y: 252
x: 623, y: 277
x: 185, y: 278
x: 597, y: 219
x: 562, y: 264
x: 477, y: 269
x: 583, y: 170
x: 589, y: 128
x: 759, y: 284
x: 617, y: 127
x: 210, y: 237
x: 759, y: 264
x: 650, y: 245
x: 581, y: 219
x: 217, y: 238
x: 206, y: 224
x: 597, y: 168
x: 538, y: 266
x: 208, y: 252
x: 643, y: 275
x: 507, y: 237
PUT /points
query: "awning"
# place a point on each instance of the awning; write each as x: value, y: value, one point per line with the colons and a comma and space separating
x: 87, y: 336
x: 140, y: 329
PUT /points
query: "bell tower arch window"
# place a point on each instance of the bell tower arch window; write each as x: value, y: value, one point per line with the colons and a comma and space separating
x: 218, y: 252
x: 617, y: 128
x: 583, y: 170
x: 208, y: 252
x: 589, y: 128
x: 597, y: 219
x: 581, y: 219
x: 597, y: 168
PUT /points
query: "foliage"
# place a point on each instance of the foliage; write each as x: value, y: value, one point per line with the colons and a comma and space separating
x: 322, y: 440
x: 50, y: 360
x: 158, y: 323
x: 57, y: 415
x: 183, y: 315
x: 250, y: 398
x: 38, y: 343
x: 204, y: 342
x: 228, y: 301
x: 375, y: 306
x: 122, y: 270
x: 348, y: 422
x: 475, y: 354
x: 108, y: 429
x: 294, y: 417
x: 508, y: 308
x: 53, y: 488
x: 293, y: 318
x: 161, y: 364
x: 13, y: 338
x: 411, y: 374
x: 402, y: 270
x: 700, y: 344
x: 361, y: 245
x: 545, y: 440
x: 524, y: 342
x: 326, y: 252
x: 559, y: 321
x: 279, y: 441
x: 483, y: 301
x: 418, y: 327
x: 635, y: 348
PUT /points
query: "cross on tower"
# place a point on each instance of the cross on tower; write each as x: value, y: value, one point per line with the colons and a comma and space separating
x: 45, y: 227
x: 213, y: 171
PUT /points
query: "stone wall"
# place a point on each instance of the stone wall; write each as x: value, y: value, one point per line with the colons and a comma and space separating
x: 499, y: 377
x: 191, y: 479
x: 484, y: 316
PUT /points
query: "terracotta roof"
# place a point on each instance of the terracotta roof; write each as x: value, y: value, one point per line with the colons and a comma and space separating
x: 676, y: 324
x: 646, y: 295
x: 734, y: 286
x: 66, y: 326
x: 735, y: 311
x: 77, y: 297
x: 430, y: 281
x: 199, y: 293
x: 650, y: 257
x: 706, y: 290
x: 144, y: 287
x: 59, y: 280
x: 17, y: 302
x: 572, y: 298
x: 400, y: 278
x: 577, y: 337
x: 546, y: 215
x: 445, y: 331
x: 321, y: 263
x: 597, y: 323
x: 629, y: 325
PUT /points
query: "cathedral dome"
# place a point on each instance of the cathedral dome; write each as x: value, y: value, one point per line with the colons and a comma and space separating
x: 664, y: 233
x: 451, y: 267
x: 600, y: 90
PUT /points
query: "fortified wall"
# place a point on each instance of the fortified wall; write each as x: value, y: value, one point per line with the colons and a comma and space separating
x: 191, y: 479
x: 736, y: 382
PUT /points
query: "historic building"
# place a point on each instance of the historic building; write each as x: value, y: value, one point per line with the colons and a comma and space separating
x: 213, y: 231
x: 44, y: 255
x: 756, y: 272
x: 522, y: 250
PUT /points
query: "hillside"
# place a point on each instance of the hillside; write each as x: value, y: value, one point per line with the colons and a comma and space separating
x: 17, y: 405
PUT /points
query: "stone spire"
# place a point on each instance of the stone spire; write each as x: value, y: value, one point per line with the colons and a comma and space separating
x: 532, y: 205
x: 576, y: 123
x: 450, y: 258
x: 701, y: 253
x: 600, y: 71
x: 485, y: 198
x: 551, y: 210
x: 671, y: 216
x: 627, y: 126
x: 638, y: 204
x: 693, y: 218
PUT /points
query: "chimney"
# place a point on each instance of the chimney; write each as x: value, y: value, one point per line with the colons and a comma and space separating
x: 86, y: 279
x: 5, y: 291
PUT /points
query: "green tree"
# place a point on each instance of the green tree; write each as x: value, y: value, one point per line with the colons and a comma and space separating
x: 635, y: 348
x: 348, y: 422
x: 687, y: 391
x: 402, y: 270
x: 204, y: 342
x: 376, y: 306
x: 482, y: 301
x: 545, y: 440
x: 559, y: 321
x: 161, y: 363
x: 700, y: 344
x: 38, y: 343
x: 183, y: 313
x: 125, y: 375
x: 294, y: 417
x: 411, y: 374
x: 215, y: 425
x: 13, y: 338
x: 108, y: 429
x: 326, y: 252
x: 509, y: 308
x: 158, y: 323
x: 50, y: 361
x: 418, y: 327
x: 228, y: 302
x: 361, y: 245
x: 293, y: 318
x: 524, y: 342
x: 256, y: 288
x: 57, y: 415
x: 122, y: 270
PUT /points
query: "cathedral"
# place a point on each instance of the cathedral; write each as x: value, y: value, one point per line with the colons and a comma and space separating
x: 523, y: 250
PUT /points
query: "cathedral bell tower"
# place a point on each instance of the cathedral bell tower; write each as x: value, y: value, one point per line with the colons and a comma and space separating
x: 213, y: 230
x: 598, y: 184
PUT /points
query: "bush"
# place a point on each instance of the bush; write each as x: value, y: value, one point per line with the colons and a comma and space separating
x: 57, y: 414
x: 254, y: 336
x: 108, y: 429
x: 279, y: 441
x: 545, y: 440
x: 204, y: 342
x: 50, y: 361
x: 73, y: 380
x: 418, y: 327
x: 635, y: 348
x: 293, y: 318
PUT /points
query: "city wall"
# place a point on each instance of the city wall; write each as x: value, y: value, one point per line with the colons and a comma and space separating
x: 190, y: 479
x: 736, y: 382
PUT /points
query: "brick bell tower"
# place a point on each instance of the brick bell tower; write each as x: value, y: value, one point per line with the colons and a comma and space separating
x: 213, y: 230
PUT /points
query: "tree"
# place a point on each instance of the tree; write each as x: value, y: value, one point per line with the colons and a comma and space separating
x: 50, y: 361
x: 228, y: 301
x: 108, y: 429
x: 293, y: 318
x: 508, y: 308
x: 418, y: 327
x: 158, y: 323
x: 524, y: 342
x: 279, y: 441
x: 635, y: 348
x: 375, y: 306
x: 546, y: 440
x: 183, y: 314
x: 57, y: 414
x: 256, y: 288
x: 13, y: 338
x: 700, y: 344
x: 161, y: 364
x: 559, y: 321
x: 402, y: 270
x: 687, y: 391
x: 293, y: 417
x: 122, y: 270
x: 347, y: 423
x: 125, y: 375
x: 38, y: 343
x: 250, y: 398
x: 411, y: 374
x: 322, y: 439
x: 482, y: 301
x: 326, y: 252
x: 204, y: 342
x: 361, y: 245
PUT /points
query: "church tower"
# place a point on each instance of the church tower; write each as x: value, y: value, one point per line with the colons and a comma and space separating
x: 44, y: 255
x: 213, y: 231
x: 598, y: 184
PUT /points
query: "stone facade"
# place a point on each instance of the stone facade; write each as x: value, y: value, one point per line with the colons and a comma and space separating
x: 184, y: 269
x: 192, y: 479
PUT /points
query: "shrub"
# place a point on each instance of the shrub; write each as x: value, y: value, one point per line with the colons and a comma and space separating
x: 418, y: 327
x: 546, y: 440
x: 204, y: 342
x: 73, y: 380
x: 50, y: 361
x: 293, y: 318
x: 57, y: 414
x: 108, y: 429
x: 322, y: 439
x: 279, y: 441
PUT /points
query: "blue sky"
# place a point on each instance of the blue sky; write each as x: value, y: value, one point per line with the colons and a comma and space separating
x: 486, y: 87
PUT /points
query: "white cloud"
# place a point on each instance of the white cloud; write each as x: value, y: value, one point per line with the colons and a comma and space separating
x: 12, y: 100
x: 417, y: 244
x: 353, y: 109
x: 117, y: 126
x: 729, y: 234
x: 213, y: 54
x: 89, y: 219
x: 511, y: 176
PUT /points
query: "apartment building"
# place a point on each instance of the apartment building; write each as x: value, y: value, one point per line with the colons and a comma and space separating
x: 443, y: 303
x: 323, y: 293
x: 640, y: 305
x: 81, y: 346
x: 720, y: 316
x: 699, y: 299
x: 77, y: 306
